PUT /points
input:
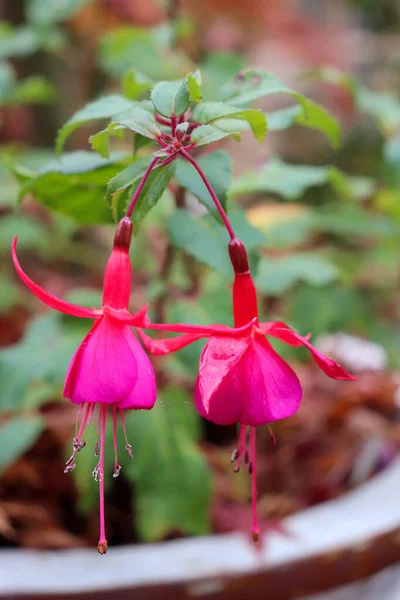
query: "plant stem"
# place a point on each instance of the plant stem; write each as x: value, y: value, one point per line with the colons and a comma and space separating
x: 140, y: 186
x: 213, y: 195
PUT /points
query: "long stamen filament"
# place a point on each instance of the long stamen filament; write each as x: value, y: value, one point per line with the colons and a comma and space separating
x: 102, y: 545
x: 117, y: 467
x: 253, y: 450
x: 128, y: 447
x: 213, y: 195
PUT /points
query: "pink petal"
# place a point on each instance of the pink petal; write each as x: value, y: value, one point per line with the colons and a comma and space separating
x: 259, y: 387
x: 165, y: 346
x: 103, y: 368
x: 328, y: 366
x: 272, y: 388
x: 49, y: 299
x: 215, y: 394
x: 143, y: 394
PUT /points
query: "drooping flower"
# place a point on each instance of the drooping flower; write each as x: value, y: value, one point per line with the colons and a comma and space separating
x: 110, y: 372
x: 242, y: 379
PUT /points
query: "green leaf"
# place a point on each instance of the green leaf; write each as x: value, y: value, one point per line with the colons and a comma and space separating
x: 16, y: 42
x: 45, y: 351
x: 199, y: 239
x: 102, y: 108
x: 74, y: 185
x: 16, y: 437
x: 194, y: 86
x: 133, y: 47
x: 218, y: 67
x: 135, y: 84
x: 100, y: 141
x: 143, y: 122
x: 164, y: 443
x: 171, y: 98
x: 217, y: 167
x: 46, y: 12
x: 209, y: 112
x: 152, y: 191
x: 123, y: 181
x: 290, y: 181
x: 9, y: 293
x: 31, y: 90
x: 278, y: 275
x: 250, y: 85
x: 207, y: 134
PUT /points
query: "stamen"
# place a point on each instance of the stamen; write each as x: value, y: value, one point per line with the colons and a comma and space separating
x: 241, y: 450
x: 102, y: 545
x: 128, y: 447
x: 117, y: 467
x: 97, y: 445
x: 253, y: 450
x: 272, y: 435
x: 77, y: 442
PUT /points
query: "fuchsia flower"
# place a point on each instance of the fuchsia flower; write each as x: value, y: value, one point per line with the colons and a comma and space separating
x: 241, y: 378
x: 110, y: 368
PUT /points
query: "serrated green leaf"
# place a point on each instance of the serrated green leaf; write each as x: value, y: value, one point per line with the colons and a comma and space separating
x: 209, y: 112
x: 143, y: 122
x: 194, y: 86
x: 46, y: 12
x: 207, y: 134
x: 277, y: 275
x: 253, y: 84
x: 171, y: 98
x: 217, y: 167
x: 135, y: 84
x: 105, y: 107
x: 164, y: 441
x: 16, y: 437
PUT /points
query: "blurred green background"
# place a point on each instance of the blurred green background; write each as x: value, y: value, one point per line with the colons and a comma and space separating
x: 320, y: 219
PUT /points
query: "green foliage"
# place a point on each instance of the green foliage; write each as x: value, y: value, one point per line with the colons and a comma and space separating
x: 171, y: 98
x: 208, y: 134
x: 74, y: 185
x: 252, y: 84
x: 172, y: 481
x: 47, y: 12
x: 102, y: 108
x: 207, y: 241
x: 217, y: 167
x: 194, y: 86
x: 276, y: 276
x: 291, y: 181
x: 17, y: 435
x: 209, y: 112
x: 34, y: 89
x: 152, y: 191
x: 143, y: 122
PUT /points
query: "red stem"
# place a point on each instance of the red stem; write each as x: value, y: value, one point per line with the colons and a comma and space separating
x: 163, y: 121
x: 211, y: 192
x: 141, y: 185
x: 173, y: 124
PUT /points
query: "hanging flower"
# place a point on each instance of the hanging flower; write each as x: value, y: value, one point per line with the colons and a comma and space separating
x: 242, y: 379
x: 110, y: 372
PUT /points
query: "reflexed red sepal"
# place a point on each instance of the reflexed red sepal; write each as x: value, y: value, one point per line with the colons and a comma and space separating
x: 52, y: 301
x: 286, y: 334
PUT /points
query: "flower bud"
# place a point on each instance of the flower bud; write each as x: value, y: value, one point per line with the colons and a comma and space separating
x: 238, y: 256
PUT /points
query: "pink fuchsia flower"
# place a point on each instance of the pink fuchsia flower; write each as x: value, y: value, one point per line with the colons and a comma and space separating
x: 242, y: 379
x: 110, y: 372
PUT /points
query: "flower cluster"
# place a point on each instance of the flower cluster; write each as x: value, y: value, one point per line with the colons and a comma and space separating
x: 241, y: 377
